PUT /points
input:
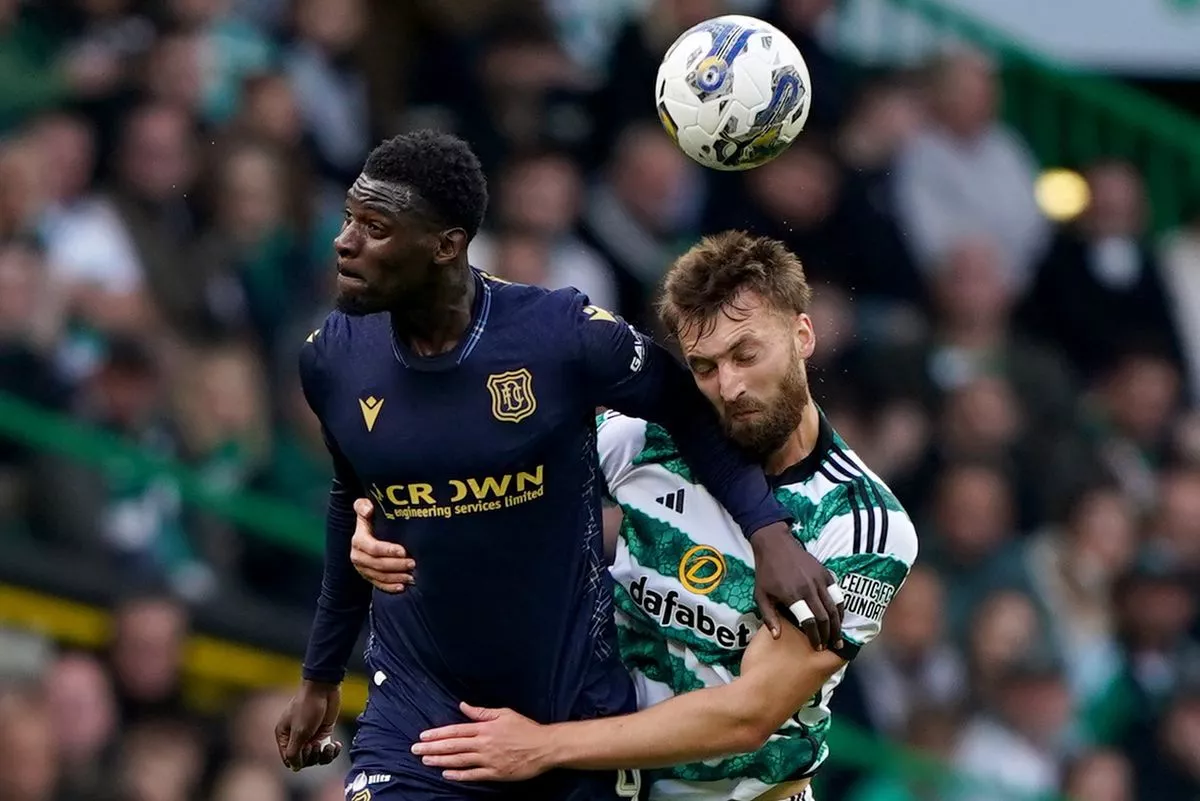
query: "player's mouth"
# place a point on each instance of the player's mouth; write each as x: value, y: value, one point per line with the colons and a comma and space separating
x: 741, y: 415
x: 347, y: 277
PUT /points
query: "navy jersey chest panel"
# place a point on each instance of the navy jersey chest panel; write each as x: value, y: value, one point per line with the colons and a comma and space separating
x: 420, y: 440
x: 484, y: 471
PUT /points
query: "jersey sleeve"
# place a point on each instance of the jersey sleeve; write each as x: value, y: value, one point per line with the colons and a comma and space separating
x: 619, y: 439
x: 345, y: 597
x: 870, y: 545
x: 627, y: 371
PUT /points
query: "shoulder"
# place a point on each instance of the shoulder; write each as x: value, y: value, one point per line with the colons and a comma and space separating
x: 327, y: 347
x: 333, y: 335
x: 561, y: 317
x: 567, y: 306
x: 858, y: 514
x: 511, y: 291
x: 619, y: 433
x: 630, y: 448
x: 535, y: 304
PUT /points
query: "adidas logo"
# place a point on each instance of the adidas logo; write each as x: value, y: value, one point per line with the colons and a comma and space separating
x: 672, y: 500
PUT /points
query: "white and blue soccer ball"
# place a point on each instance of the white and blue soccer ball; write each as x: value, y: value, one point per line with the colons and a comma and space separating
x: 733, y: 92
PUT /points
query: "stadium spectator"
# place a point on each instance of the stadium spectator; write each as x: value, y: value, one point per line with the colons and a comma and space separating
x: 1020, y: 743
x: 1099, y: 776
x: 1127, y: 422
x: 30, y: 768
x: 1178, y: 740
x: 1180, y: 259
x: 330, y: 91
x: 160, y: 760
x: 146, y: 656
x: 83, y: 710
x: 1070, y: 570
x: 915, y: 666
x: 969, y: 536
x: 542, y: 195
x: 636, y: 216
x: 1099, y: 267
x: 967, y: 174
x: 1004, y: 629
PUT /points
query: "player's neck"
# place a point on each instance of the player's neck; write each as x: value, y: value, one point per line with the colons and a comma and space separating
x: 799, y: 444
x: 439, y: 326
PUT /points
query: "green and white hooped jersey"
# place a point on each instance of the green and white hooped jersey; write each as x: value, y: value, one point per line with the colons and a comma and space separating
x: 684, y: 586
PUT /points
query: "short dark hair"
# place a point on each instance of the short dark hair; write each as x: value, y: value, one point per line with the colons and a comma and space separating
x: 441, y: 168
x: 707, y: 279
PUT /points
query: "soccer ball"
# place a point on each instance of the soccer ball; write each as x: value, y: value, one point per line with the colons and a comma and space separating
x: 733, y: 92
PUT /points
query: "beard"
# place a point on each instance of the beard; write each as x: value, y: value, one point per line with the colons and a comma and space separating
x: 775, y: 419
x: 358, y: 304
x: 385, y: 294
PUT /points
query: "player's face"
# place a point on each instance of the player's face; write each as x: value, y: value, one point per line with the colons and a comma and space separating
x: 749, y: 363
x: 389, y: 256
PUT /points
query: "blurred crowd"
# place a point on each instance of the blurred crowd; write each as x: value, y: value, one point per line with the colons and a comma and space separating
x: 172, y: 175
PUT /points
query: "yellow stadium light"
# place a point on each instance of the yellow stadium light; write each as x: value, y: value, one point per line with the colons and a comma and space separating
x: 1062, y: 194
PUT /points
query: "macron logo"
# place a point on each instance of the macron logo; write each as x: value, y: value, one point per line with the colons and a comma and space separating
x: 672, y: 500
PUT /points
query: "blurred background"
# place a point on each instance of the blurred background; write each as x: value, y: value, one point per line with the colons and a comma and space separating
x: 996, y: 201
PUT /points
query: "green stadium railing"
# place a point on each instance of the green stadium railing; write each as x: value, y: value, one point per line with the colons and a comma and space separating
x: 282, y: 523
x: 278, y: 522
x: 1069, y: 118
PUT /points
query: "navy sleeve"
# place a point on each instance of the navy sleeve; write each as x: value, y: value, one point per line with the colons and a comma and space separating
x: 628, y: 371
x: 345, y: 597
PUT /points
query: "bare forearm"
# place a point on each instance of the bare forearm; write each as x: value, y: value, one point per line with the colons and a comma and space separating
x: 687, y: 728
x: 778, y: 677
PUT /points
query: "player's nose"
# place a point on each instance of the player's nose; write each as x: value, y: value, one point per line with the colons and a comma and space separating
x: 730, y: 383
x: 345, y: 244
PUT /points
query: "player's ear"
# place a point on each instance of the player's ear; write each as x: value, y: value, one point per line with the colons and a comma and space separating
x: 806, y: 336
x: 451, y: 243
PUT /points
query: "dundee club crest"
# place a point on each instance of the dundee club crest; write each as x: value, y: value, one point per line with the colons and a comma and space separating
x: 512, y: 395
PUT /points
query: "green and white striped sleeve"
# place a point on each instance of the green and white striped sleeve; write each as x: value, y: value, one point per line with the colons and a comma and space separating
x: 870, y: 548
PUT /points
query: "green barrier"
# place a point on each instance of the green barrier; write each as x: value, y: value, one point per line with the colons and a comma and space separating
x: 853, y: 748
x: 1069, y: 118
x: 281, y: 523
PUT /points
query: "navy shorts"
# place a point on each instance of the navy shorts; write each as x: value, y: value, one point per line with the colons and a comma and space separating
x: 377, y: 784
x: 384, y: 769
x: 405, y: 703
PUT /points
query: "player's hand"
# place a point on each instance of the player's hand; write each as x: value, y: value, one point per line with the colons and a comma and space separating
x: 500, y: 745
x: 304, y: 733
x: 785, y: 573
x: 385, y: 564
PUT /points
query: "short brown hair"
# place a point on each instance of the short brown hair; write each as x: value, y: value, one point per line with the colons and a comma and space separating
x: 707, y: 279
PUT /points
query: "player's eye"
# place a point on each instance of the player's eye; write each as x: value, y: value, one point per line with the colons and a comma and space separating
x: 702, y: 369
x: 376, y: 229
x: 746, y: 357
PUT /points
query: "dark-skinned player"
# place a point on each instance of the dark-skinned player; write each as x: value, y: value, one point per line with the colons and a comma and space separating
x: 464, y: 407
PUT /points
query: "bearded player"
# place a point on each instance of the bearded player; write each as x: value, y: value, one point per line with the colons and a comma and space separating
x: 727, y: 712
x: 464, y: 407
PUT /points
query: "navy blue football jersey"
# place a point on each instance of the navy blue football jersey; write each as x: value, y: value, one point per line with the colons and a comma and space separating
x: 482, y: 463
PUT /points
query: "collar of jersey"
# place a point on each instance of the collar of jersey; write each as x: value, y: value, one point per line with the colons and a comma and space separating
x: 807, y: 467
x: 459, y: 353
